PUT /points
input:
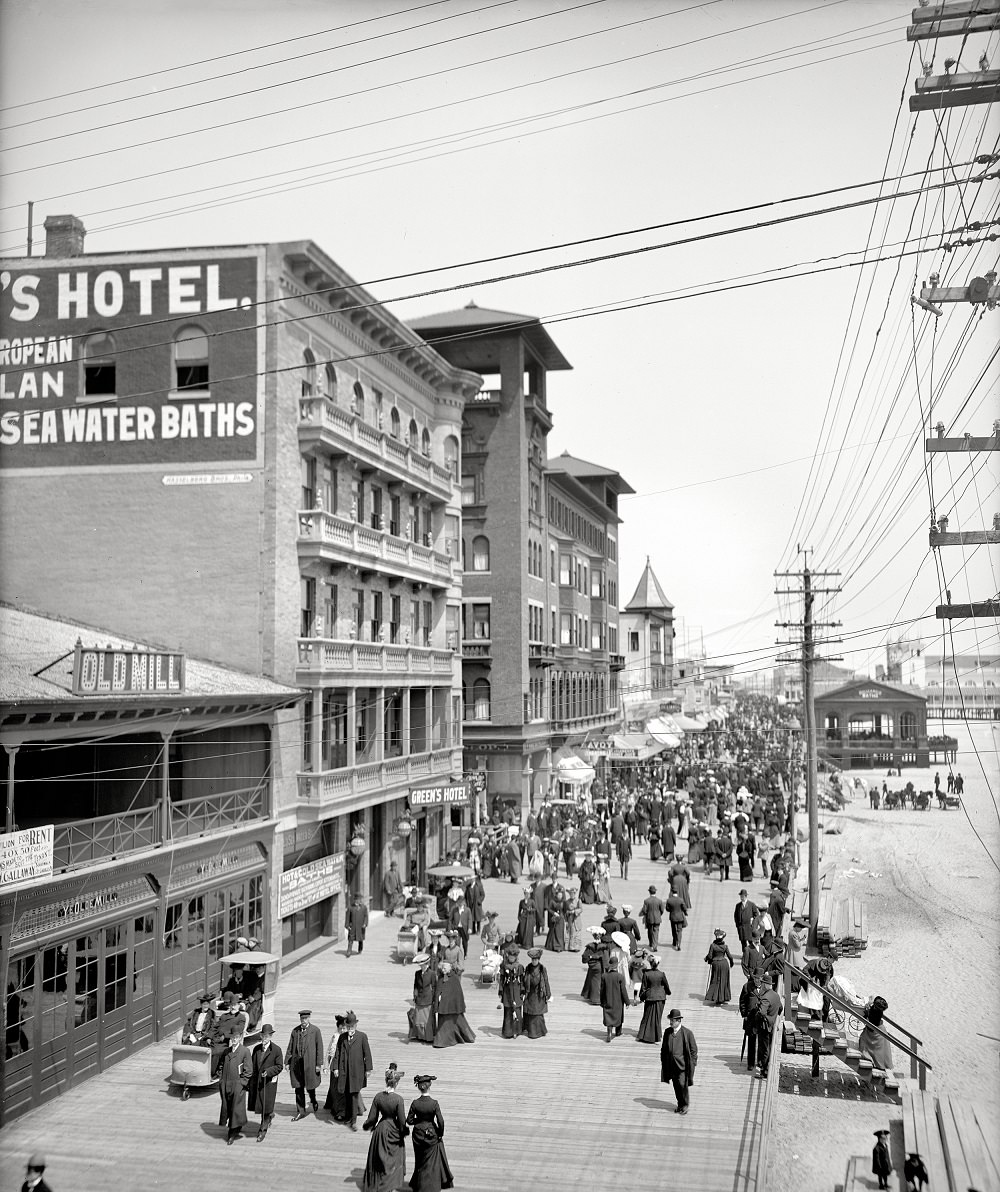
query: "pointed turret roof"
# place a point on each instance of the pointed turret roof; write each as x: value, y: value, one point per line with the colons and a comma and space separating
x: 648, y: 594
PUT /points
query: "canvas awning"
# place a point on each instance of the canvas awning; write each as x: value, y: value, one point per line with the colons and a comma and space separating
x: 666, y: 731
x: 689, y: 724
x: 574, y: 771
x: 634, y: 747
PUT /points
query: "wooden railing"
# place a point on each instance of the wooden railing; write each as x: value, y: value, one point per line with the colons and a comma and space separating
x: 86, y: 842
x: 216, y: 813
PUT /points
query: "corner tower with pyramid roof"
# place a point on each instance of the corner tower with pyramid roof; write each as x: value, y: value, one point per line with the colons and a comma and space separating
x: 539, y: 632
x: 647, y: 625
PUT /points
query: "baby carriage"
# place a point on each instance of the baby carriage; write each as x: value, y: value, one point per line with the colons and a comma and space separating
x: 490, y: 965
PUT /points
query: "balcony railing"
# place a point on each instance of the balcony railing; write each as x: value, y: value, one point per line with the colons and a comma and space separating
x: 616, y: 662
x: 353, y: 543
x: 591, y: 720
x: 479, y: 650
x: 333, y: 786
x: 356, y: 437
x: 108, y: 837
x: 85, y: 842
x: 541, y: 653
x: 217, y: 813
x: 317, y: 655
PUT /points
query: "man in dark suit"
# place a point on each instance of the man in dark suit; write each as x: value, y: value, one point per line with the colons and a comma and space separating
x: 678, y: 919
x: 33, y: 1179
x: 768, y: 1010
x: 357, y: 925
x: 234, y: 1079
x: 304, y: 1060
x: 460, y: 918
x: 610, y: 923
x: 267, y: 1064
x: 627, y: 924
x: 776, y: 905
x: 352, y: 1062
x: 678, y: 1058
x: 724, y: 853
x: 614, y: 999
x: 652, y: 915
x: 753, y: 957
x: 744, y: 915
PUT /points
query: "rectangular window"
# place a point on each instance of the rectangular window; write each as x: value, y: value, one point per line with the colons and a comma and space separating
x: 358, y: 611
x: 451, y: 618
x: 394, y: 609
x: 376, y: 516
x: 552, y: 564
x: 308, y: 600
x: 428, y: 624
x: 553, y: 639
x: 328, y: 487
x: 597, y: 584
x: 597, y: 635
x: 633, y: 643
x: 330, y: 609
x: 308, y: 497
x: 481, y: 621
x: 566, y: 627
x: 376, y: 620
x: 565, y: 570
x: 452, y: 537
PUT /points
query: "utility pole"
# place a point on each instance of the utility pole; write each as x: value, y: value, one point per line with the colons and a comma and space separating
x: 808, y: 643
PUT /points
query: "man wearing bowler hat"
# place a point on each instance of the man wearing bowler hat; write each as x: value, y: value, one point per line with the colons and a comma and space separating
x: 33, y: 1178
x: 304, y: 1060
x: 267, y: 1065
x: 352, y: 1064
x: 652, y: 915
x: 678, y: 1058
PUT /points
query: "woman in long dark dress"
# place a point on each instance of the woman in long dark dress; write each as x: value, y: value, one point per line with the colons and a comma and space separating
x: 653, y: 993
x: 336, y: 1101
x: 527, y: 920
x: 594, y: 957
x: 385, y: 1170
x: 452, y: 1027
x: 655, y: 849
x: 510, y: 994
x: 431, y: 1172
x: 588, y: 891
x: 537, y: 994
x: 721, y: 961
x: 421, y: 1016
x: 746, y: 854
x: 555, y: 941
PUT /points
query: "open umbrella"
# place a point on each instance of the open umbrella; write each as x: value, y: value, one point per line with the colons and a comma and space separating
x: 621, y: 939
x: 451, y: 871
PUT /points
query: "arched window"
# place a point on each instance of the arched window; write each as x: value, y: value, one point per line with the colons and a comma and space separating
x: 480, y: 553
x: 99, y: 371
x: 308, y: 373
x: 359, y: 400
x: 414, y: 436
x: 330, y: 381
x: 425, y: 442
x: 481, y: 699
x: 394, y: 423
x: 452, y: 457
x: 191, y: 359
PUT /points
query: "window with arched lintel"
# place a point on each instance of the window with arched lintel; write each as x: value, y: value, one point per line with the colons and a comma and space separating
x: 452, y: 457
x: 414, y: 434
x: 99, y: 366
x: 425, y: 442
x: 358, y: 407
x: 480, y: 553
x: 330, y: 381
x: 481, y: 699
x: 308, y: 373
x: 191, y: 359
x: 394, y: 423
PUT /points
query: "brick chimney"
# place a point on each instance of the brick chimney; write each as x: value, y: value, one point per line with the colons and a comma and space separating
x: 64, y: 236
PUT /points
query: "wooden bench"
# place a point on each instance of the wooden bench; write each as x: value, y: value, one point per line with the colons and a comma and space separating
x: 972, y: 1161
x: 922, y: 1135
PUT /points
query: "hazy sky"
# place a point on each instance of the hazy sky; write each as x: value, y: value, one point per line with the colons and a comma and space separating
x: 750, y: 410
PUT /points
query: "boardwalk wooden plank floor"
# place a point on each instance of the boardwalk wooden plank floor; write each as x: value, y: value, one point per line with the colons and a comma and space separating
x: 564, y: 1112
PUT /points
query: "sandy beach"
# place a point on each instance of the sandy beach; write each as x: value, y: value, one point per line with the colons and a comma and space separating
x: 932, y: 896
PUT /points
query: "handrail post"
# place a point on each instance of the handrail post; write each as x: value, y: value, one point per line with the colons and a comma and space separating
x: 913, y: 1060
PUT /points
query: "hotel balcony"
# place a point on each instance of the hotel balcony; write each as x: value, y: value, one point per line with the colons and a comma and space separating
x: 325, y: 658
x: 479, y: 650
x: 324, y: 424
x: 595, y: 720
x: 616, y: 662
x: 329, y: 538
x: 540, y: 654
x: 330, y: 787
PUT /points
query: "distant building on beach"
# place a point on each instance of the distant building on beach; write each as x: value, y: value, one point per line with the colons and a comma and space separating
x: 867, y: 723
x: 957, y: 687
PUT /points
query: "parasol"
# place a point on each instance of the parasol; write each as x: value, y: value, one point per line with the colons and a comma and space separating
x: 621, y: 939
x: 451, y: 871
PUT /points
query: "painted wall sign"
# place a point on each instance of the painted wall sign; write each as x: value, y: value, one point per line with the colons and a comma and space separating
x: 197, y: 873
x: 438, y: 796
x: 308, y: 884
x: 151, y: 361
x: 870, y: 693
x: 67, y: 912
x: 98, y: 671
x: 26, y: 855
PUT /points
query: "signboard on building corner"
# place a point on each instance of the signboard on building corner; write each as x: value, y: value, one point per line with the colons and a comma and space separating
x: 26, y: 855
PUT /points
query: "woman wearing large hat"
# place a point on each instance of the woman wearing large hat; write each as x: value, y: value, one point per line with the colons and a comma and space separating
x: 385, y: 1170
x: 653, y: 993
x: 421, y: 1013
x: 452, y: 1027
x: 721, y: 961
x: 431, y: 1172
x: 537, y: 994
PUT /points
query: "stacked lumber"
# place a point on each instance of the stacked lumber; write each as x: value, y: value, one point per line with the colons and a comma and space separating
x: 841, y: 929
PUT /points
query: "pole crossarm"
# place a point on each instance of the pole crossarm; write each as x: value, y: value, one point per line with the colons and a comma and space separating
x: 967, y: 443
x: 979, y: 289
x: 978, y: 608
